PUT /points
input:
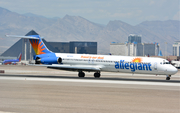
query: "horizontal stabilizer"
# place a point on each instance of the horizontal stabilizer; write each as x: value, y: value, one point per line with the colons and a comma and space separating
x: 26, y: 37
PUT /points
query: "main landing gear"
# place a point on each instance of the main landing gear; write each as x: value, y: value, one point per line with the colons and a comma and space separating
x: 81, y: 74
x: 96, y: 74
x: 168, y: 77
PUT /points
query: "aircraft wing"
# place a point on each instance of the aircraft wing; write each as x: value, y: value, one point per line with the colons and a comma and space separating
x: 75, y: 67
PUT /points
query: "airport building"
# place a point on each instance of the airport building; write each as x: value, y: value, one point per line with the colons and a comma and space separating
x: 23, y: 46
x: 134, y: 38
x: 134, y: 47
x: 176, y: 48
x: 78, y: 47
x: 83, y: 47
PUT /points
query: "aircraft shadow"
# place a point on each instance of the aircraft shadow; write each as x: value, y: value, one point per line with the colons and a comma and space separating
x: 92, y: 78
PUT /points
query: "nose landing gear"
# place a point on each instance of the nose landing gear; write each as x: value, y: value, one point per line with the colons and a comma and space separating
x: 168, y: 77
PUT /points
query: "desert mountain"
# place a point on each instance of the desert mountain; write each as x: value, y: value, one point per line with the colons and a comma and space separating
x: 76, y: 28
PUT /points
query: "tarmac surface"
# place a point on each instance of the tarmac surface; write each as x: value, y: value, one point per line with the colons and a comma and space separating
x: 41, y: 90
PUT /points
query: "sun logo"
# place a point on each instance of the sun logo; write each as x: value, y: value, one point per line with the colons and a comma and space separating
x: 37, y: 46
x: 137, y: 60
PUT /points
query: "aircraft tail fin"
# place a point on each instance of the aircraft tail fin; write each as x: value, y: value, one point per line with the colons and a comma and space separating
x: 36, y: 42
x: 38, y: 45
x: 20, y: 56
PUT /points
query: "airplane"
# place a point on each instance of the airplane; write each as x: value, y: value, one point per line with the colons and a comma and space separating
x: 1, y: 62
x: 12, y: 61
x: 98, y: 63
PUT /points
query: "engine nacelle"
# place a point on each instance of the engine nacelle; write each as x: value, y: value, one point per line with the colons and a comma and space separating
x: 59, y: 60
x: 49, y: 60
x: 37, y: 60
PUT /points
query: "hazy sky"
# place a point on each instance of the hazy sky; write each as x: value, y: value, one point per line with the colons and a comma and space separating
x: 99, y: 11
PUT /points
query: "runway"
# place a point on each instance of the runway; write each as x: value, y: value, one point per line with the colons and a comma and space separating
x: 64, y: 92
x: 92, y: 80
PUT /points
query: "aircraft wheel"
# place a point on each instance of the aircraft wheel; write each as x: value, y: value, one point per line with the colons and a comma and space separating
x: 167, y: 78
x: 81, y: 74
x: 97, y: 75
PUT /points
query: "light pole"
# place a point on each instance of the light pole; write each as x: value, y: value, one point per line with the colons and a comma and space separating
x: 166, y: 49
x: 25, y: 45
x: 143, y: 48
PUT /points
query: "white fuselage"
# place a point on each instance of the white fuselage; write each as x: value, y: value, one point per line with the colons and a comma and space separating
x: 127, y: 64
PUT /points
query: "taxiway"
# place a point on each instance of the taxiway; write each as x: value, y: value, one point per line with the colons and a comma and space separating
x: 37, y: 89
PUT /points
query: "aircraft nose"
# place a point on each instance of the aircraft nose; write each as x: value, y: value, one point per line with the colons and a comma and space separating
x: 174, y: 70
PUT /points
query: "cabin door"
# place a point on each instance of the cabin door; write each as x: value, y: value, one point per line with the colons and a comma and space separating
x: 155, y: 66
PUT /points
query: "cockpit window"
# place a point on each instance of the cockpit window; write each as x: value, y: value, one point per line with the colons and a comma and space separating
x: 166, y: 63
